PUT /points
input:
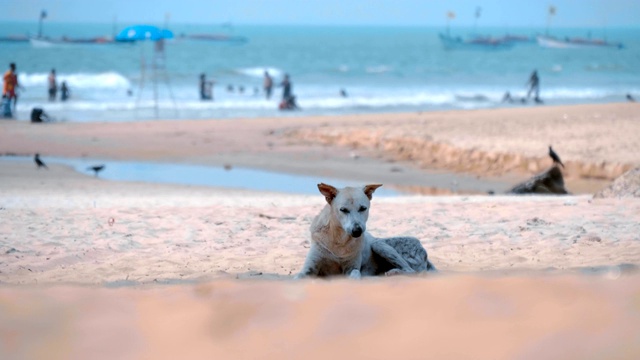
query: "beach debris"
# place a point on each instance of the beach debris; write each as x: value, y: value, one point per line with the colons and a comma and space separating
x: 111, y: 221
x: 265, y: 216
x: 537, y: 221
x: 227, y: 167
x: 549, y: 182
x: 626, y: 185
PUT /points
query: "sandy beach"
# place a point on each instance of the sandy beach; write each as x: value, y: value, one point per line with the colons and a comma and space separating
x: 168, y: 271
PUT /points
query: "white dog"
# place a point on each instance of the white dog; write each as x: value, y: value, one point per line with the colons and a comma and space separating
x: 340, y: 244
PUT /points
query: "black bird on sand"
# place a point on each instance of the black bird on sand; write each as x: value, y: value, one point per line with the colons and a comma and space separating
x: 555, y: 157
x: 39, y: 162
x: 96, y: 169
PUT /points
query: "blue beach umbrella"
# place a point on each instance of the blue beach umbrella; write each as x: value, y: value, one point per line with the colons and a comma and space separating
x: 143, y: 32
x: 147, y: 32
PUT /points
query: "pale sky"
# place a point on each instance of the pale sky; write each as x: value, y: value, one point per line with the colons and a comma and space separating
x: 527, y: 13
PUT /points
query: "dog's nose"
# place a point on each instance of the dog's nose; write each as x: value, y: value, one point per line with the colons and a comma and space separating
x: 356, y: 231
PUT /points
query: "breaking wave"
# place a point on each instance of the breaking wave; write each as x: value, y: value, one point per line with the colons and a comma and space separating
x: 106, y: 80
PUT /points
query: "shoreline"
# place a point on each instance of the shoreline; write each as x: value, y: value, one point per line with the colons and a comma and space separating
x: 500, y: 145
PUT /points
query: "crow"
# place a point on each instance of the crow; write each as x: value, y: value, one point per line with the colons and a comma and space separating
x: 96, y: 169
x: 39, y: 162
x: 555, y: 157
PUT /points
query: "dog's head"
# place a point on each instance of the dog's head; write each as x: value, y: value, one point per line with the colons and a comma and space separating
x: 350, y: 206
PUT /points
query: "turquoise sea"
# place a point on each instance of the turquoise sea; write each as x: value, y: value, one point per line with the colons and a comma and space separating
x: 382, y: 69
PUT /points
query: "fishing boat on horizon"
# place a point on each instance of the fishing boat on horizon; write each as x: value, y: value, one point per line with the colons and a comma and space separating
x: 551, y: 42
x: 215, y: 37
x: 475, y: 43
x: 15, y: 38
x: 518, y: 39
x: 223, y: 35
x: 46, y: 42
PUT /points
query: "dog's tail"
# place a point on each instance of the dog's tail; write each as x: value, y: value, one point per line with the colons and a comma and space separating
x: 431, y: 267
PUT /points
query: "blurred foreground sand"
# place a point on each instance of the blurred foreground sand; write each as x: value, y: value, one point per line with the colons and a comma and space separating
x: 99, y: 269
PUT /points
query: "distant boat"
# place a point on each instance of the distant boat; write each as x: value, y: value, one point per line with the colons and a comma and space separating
x: 216, y: 37
x: 476, y: 43
x: 14, y: 38
x: 47, y: 42
x: 575, y: 43
x: 41, y: 42
x: 518, y: 39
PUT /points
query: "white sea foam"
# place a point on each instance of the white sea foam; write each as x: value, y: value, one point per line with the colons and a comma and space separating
x: 378, y: 69
x: 258, y: 71
x: 110, y: 105
x: 106, y: 80
x: 578, y: 93
x: 319, y: 98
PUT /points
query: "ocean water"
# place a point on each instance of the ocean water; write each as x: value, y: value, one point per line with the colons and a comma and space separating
x: 382, y: 69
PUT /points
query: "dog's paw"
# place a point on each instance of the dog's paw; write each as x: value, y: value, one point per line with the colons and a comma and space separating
x: 355, y: 274
x: 394, y: 272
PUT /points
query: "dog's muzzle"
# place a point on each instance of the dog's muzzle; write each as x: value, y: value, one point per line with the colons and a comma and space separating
x: 356, y: 231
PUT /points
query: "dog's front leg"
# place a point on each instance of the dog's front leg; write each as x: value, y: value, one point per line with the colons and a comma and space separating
x: 355, y: 274
x: 353, y: 268
x: 304, y: 273
x: 311, y: 263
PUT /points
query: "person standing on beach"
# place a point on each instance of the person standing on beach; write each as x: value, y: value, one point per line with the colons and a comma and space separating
x: 534, y: 86
x: 267, y: 85
x: 10, y: 84
x: 53, y: 85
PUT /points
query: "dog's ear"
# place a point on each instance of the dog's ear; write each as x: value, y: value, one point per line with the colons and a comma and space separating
x: 369, y: 189
x: 328, y: 191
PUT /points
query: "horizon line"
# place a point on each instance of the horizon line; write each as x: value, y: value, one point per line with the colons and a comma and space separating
x: 330, y: 25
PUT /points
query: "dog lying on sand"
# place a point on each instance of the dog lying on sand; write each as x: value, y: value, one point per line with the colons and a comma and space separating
x: 340, y: 244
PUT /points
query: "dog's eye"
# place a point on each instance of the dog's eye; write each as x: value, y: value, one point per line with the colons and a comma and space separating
x: 362, y: 208
x: 344, y: 210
